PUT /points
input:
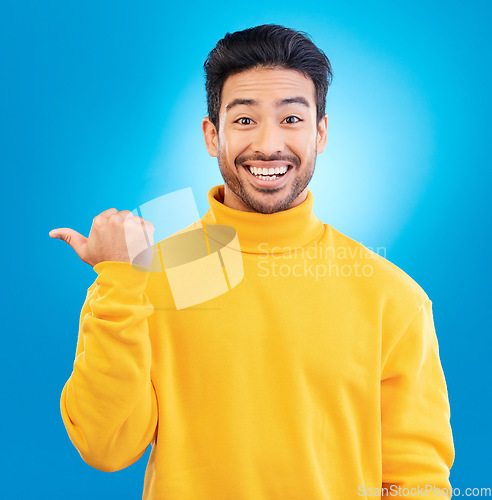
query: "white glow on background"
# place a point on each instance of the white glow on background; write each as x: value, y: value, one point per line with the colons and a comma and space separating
x: 377, y: 162
x: 184, y: 160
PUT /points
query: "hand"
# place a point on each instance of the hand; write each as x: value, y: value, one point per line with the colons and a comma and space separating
x: 114, y: 236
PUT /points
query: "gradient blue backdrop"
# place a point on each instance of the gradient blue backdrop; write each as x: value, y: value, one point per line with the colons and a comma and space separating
x: 100, y: 106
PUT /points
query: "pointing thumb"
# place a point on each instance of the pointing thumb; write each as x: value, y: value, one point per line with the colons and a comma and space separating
x: 73, y: 238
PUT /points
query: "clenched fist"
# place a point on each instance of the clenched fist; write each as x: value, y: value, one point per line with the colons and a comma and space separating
x: 114, y: 236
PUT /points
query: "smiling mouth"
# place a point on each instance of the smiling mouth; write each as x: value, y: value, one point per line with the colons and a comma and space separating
x: 268, y: 173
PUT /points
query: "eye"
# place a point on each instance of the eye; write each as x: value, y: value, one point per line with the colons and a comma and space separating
x: 244, y: 121
x: 292, y: 119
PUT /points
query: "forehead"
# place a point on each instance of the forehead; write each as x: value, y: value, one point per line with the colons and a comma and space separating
x: 265, y: 85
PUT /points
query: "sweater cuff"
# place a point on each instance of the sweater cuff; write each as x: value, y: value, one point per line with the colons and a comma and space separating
x: 121, y: 282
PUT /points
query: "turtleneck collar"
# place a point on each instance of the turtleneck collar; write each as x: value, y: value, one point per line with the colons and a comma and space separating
x: 260, y: 233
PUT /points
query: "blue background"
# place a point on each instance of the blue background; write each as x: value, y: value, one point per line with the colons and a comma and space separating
x: 101, y: 105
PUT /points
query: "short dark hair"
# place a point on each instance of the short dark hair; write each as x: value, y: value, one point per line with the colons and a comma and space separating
x: 269, y: 46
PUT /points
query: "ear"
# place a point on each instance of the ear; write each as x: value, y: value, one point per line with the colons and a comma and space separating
x: 210, y: 135
x: 322, y: 134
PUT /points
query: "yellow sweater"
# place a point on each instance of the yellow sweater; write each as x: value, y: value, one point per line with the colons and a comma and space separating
x: 316, y: 377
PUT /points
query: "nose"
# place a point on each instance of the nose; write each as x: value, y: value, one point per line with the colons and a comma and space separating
x: 268, y: 139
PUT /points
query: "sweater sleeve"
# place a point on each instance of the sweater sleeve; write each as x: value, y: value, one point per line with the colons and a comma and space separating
x: 108, y: 404
x: 417, y: 442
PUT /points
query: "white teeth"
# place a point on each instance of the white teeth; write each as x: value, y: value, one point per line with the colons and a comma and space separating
x: 268, y: 171
x: 271, y: 173
x: 269, y: 178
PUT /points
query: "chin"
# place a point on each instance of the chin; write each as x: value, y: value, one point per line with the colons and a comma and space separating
x: 269, y: 203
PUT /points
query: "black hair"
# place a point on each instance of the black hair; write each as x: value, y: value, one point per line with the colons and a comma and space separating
x: 269, y: 46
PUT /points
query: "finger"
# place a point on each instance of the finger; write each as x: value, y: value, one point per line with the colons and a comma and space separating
x: 126, y: 214
x: 134, y: 218
x: 121, y: 215
x: 147, y: 226
x: 109, y: 212
x: 77, y: 241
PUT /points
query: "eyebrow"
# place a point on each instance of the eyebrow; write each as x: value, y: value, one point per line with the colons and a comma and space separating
x: 280, y: 102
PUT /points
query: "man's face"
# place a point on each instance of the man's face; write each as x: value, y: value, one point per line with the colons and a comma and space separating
x: 267, y: 121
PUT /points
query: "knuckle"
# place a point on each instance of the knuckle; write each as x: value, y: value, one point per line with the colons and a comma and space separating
x: 115, y: 218
x: 99, y: 220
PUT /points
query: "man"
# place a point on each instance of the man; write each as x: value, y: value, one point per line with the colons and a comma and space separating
x: 316, y: 377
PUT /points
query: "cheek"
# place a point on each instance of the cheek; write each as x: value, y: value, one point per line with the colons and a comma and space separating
x: 305, y: 146
x: 223, y: 144
x: 232, y: 145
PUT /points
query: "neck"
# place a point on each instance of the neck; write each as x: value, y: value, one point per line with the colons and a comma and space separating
x: 257, y: 232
